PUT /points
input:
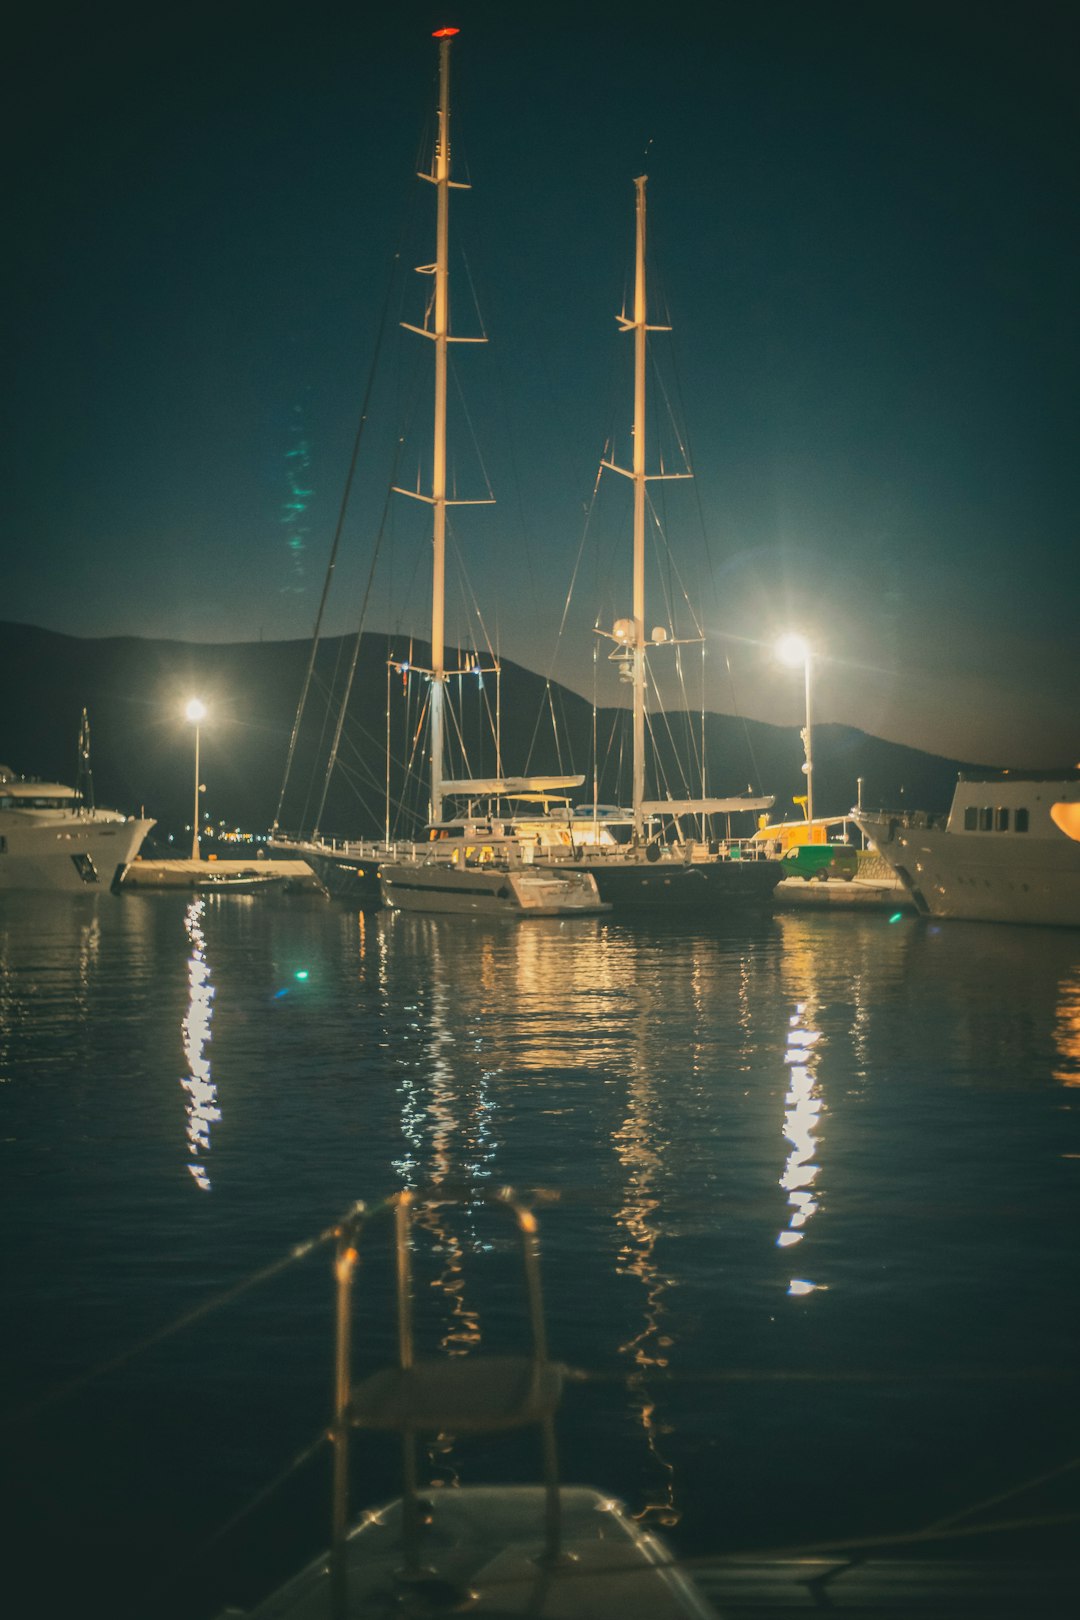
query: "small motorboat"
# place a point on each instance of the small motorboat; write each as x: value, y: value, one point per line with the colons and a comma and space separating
x: 236, y: 882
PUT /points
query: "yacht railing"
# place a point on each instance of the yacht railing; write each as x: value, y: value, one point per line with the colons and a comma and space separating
x: 482, y: 1395
x: 914, y: 819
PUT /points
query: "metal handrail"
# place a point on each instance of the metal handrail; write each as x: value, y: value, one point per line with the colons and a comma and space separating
x: 401, y: 1206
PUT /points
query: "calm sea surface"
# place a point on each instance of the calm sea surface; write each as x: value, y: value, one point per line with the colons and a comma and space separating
x: 815, y: 1235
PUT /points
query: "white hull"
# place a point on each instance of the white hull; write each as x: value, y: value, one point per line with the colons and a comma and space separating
x: 71, y: 852
x: 1008, y: 852
x: 488, y: 891
x: 488, y: 1543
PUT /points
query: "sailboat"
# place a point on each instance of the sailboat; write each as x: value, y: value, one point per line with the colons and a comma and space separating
x: 466, y: 865
x: 657, y: 853
x: 679, y: 870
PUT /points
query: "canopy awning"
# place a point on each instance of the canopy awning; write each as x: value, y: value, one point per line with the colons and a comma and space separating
x: 505, y: 787
x: 705, y: 807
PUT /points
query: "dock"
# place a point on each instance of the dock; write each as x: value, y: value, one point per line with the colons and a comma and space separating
x: 875, y: 888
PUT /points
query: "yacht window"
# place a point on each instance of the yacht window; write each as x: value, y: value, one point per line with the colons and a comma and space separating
x: 1003, y: 821
x: 971, y: 818
x: 1020, y: 821
x: 986, y: 818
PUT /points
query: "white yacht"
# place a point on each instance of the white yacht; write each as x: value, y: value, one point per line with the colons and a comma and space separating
x: 52, y: 837
x: 1008, y: 851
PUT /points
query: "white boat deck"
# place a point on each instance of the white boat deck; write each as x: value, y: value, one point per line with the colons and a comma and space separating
x: 482, y: 1552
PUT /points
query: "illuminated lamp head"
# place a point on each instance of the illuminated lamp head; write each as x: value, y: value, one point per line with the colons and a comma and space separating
x: 793, y: 650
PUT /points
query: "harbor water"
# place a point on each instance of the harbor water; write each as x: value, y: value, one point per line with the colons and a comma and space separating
x: 807, y: 1188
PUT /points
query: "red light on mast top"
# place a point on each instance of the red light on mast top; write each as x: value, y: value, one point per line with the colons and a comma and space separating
x: 445, y: 33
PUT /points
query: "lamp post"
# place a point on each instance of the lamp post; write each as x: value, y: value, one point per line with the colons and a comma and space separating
x: 195, y: 711
x: 795, y: 650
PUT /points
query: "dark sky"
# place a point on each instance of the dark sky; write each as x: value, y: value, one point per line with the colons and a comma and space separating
x: 863, y: 222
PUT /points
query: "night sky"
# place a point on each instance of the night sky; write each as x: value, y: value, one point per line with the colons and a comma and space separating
x: 863, y: 225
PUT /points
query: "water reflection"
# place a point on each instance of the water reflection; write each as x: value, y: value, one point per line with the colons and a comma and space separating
x: 804, y: 1104
x: 446, y: 1108
x: 490, y: 1032
x: 445, y: 1121
x: 89, y: 951
x: 202, y: 1109
x: 1067, y: 1030
x: 641, y: 1149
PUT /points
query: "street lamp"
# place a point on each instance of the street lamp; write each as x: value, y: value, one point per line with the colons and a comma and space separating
x: 195, y: 712
x: 795, y: 650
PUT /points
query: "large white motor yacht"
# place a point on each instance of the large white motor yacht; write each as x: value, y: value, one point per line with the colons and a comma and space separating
x: 51, y: 838
x: 1008, y: 851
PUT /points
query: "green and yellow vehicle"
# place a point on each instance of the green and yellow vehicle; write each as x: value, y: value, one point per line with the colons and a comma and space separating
x: 807, y: 851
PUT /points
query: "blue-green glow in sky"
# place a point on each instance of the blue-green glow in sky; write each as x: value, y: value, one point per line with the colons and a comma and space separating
x: 863, y: 225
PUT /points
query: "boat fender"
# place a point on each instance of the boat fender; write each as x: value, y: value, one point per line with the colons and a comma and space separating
x: 652, y: 852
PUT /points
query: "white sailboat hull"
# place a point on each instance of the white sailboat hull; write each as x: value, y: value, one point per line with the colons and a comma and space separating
x: 488, y: 891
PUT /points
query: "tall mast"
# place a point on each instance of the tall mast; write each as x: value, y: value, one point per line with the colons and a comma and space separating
x: 441, y: 177
x: 639, y: 477
x: 441, y: 335
x: 630, y: 634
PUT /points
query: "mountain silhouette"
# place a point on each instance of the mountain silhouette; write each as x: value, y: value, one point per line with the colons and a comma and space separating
x: 142, y: 752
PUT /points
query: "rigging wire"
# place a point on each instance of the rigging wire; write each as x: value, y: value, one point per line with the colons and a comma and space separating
x: 346, y: 694
x: 338, y: 530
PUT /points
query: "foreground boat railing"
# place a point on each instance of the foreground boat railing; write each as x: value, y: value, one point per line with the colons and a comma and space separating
x: 480, y: 1395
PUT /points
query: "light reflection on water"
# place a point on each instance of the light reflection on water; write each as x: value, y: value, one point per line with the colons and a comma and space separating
x: 804, y: 1105
x: 202, y: 1109
x: 905, y: 1096
x: 1067, y: 1030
